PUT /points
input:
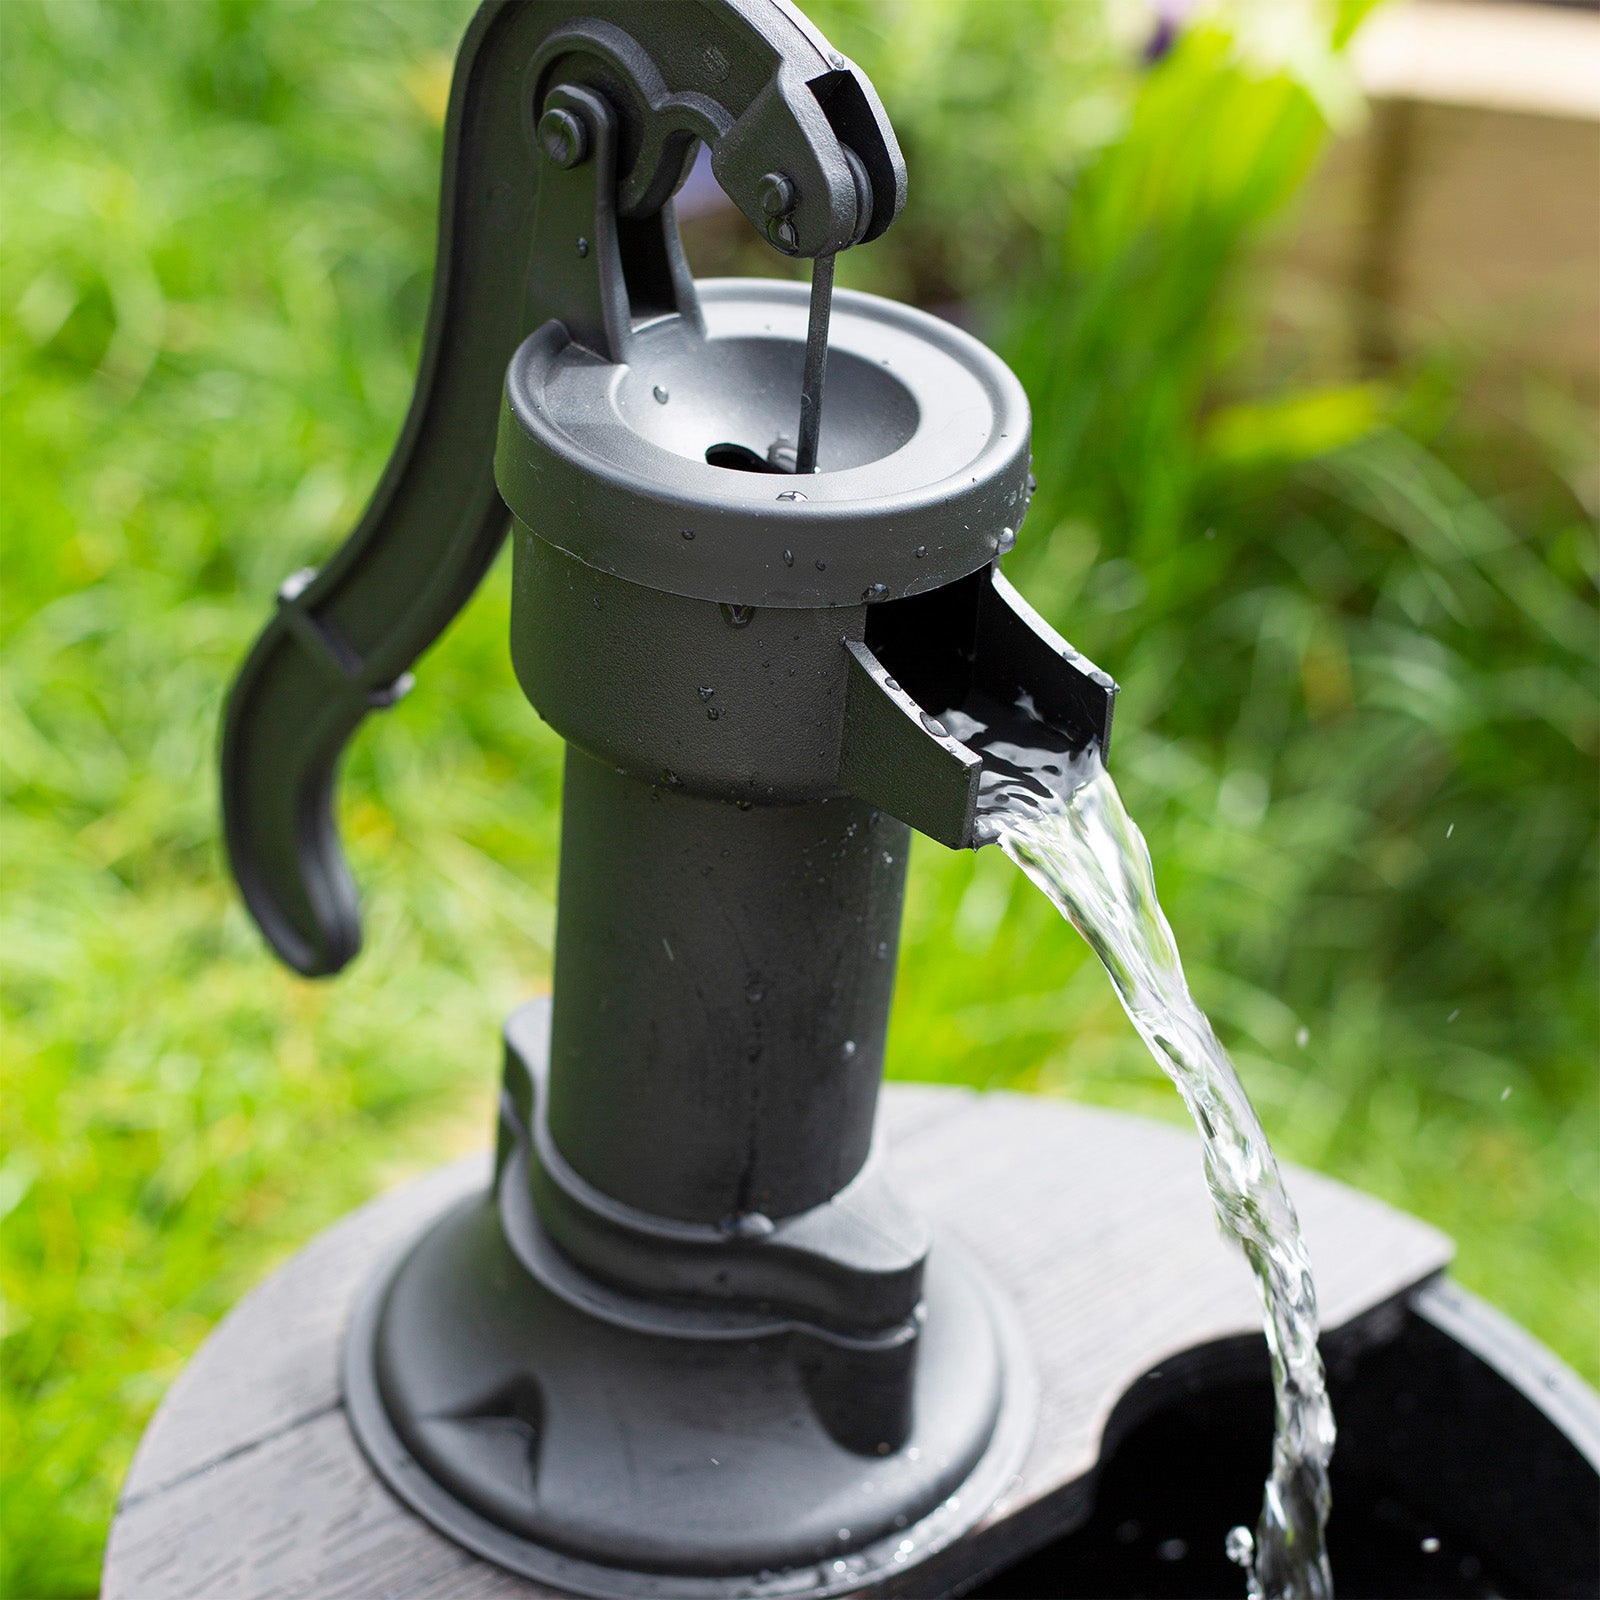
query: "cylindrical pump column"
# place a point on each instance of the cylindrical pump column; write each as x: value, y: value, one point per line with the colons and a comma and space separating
x: 722, y: 984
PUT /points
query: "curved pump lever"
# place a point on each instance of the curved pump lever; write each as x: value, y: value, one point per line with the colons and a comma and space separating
x: 801, y: 145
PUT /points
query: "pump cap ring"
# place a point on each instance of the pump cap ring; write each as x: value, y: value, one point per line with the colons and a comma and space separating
x: 923, y: 465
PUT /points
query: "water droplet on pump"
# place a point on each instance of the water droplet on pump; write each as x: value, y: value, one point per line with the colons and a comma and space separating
x: 934, y: 726
x: 688, y: 533
x: 848, y: 1049
x: 712, y: 713
x: 661, y: 395
x: 1006, y: 541
x: 875, y: 591
x: 791, y: 494
x: 788, y: 558
x: 706, y: 692
x: 822, y: 566
x: 920, y: 551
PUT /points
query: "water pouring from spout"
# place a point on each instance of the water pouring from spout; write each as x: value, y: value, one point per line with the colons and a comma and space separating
x: 1054, y: 810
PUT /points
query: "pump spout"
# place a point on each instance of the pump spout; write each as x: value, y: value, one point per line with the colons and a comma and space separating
x: 930, y: 670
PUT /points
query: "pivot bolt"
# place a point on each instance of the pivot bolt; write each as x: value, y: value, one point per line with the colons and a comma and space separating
x: 563, y: 138
x: 775, y: 194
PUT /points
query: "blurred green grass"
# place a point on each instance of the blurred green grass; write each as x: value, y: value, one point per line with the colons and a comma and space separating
x: 1353, y: 617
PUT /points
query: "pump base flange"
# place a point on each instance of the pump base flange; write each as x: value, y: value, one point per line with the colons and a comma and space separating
x: 621, y: 1465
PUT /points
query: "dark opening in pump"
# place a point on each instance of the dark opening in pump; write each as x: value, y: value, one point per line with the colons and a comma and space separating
x: 740, y: 458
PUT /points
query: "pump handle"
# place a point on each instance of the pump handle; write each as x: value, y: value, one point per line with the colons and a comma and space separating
x: 802, y: 146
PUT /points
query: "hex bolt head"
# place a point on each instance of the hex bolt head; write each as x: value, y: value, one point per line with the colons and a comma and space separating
x: 775, y: 194
x: 563, y: 138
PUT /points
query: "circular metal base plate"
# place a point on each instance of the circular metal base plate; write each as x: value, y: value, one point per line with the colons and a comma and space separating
x: 461, y: 1231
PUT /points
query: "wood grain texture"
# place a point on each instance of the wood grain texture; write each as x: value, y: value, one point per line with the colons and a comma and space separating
x: 249, y: 1486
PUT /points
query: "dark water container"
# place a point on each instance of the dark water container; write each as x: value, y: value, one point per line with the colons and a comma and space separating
x: 1468, y: 1465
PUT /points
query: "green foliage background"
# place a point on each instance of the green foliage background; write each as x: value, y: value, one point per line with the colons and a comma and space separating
x: 1354, y: 623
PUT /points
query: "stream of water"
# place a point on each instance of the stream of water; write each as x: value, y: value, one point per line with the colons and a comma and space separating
x: 1057, y: 814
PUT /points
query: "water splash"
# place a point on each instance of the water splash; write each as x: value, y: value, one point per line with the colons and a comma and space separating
x: 1057, y: 814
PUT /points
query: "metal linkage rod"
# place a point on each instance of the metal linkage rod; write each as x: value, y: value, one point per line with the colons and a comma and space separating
x: 805, y: 461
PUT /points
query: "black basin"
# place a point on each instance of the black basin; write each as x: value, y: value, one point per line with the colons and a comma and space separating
x: 1468, y: 1464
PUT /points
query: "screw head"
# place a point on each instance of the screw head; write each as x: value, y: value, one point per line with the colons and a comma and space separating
x: 563, y: 138
x: 775, y: 194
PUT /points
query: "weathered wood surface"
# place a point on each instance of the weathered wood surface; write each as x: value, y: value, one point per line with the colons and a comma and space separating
x: 249, y: 1486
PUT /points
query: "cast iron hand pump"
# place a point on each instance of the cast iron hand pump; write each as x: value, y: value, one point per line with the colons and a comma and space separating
x: 690, y: 1343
